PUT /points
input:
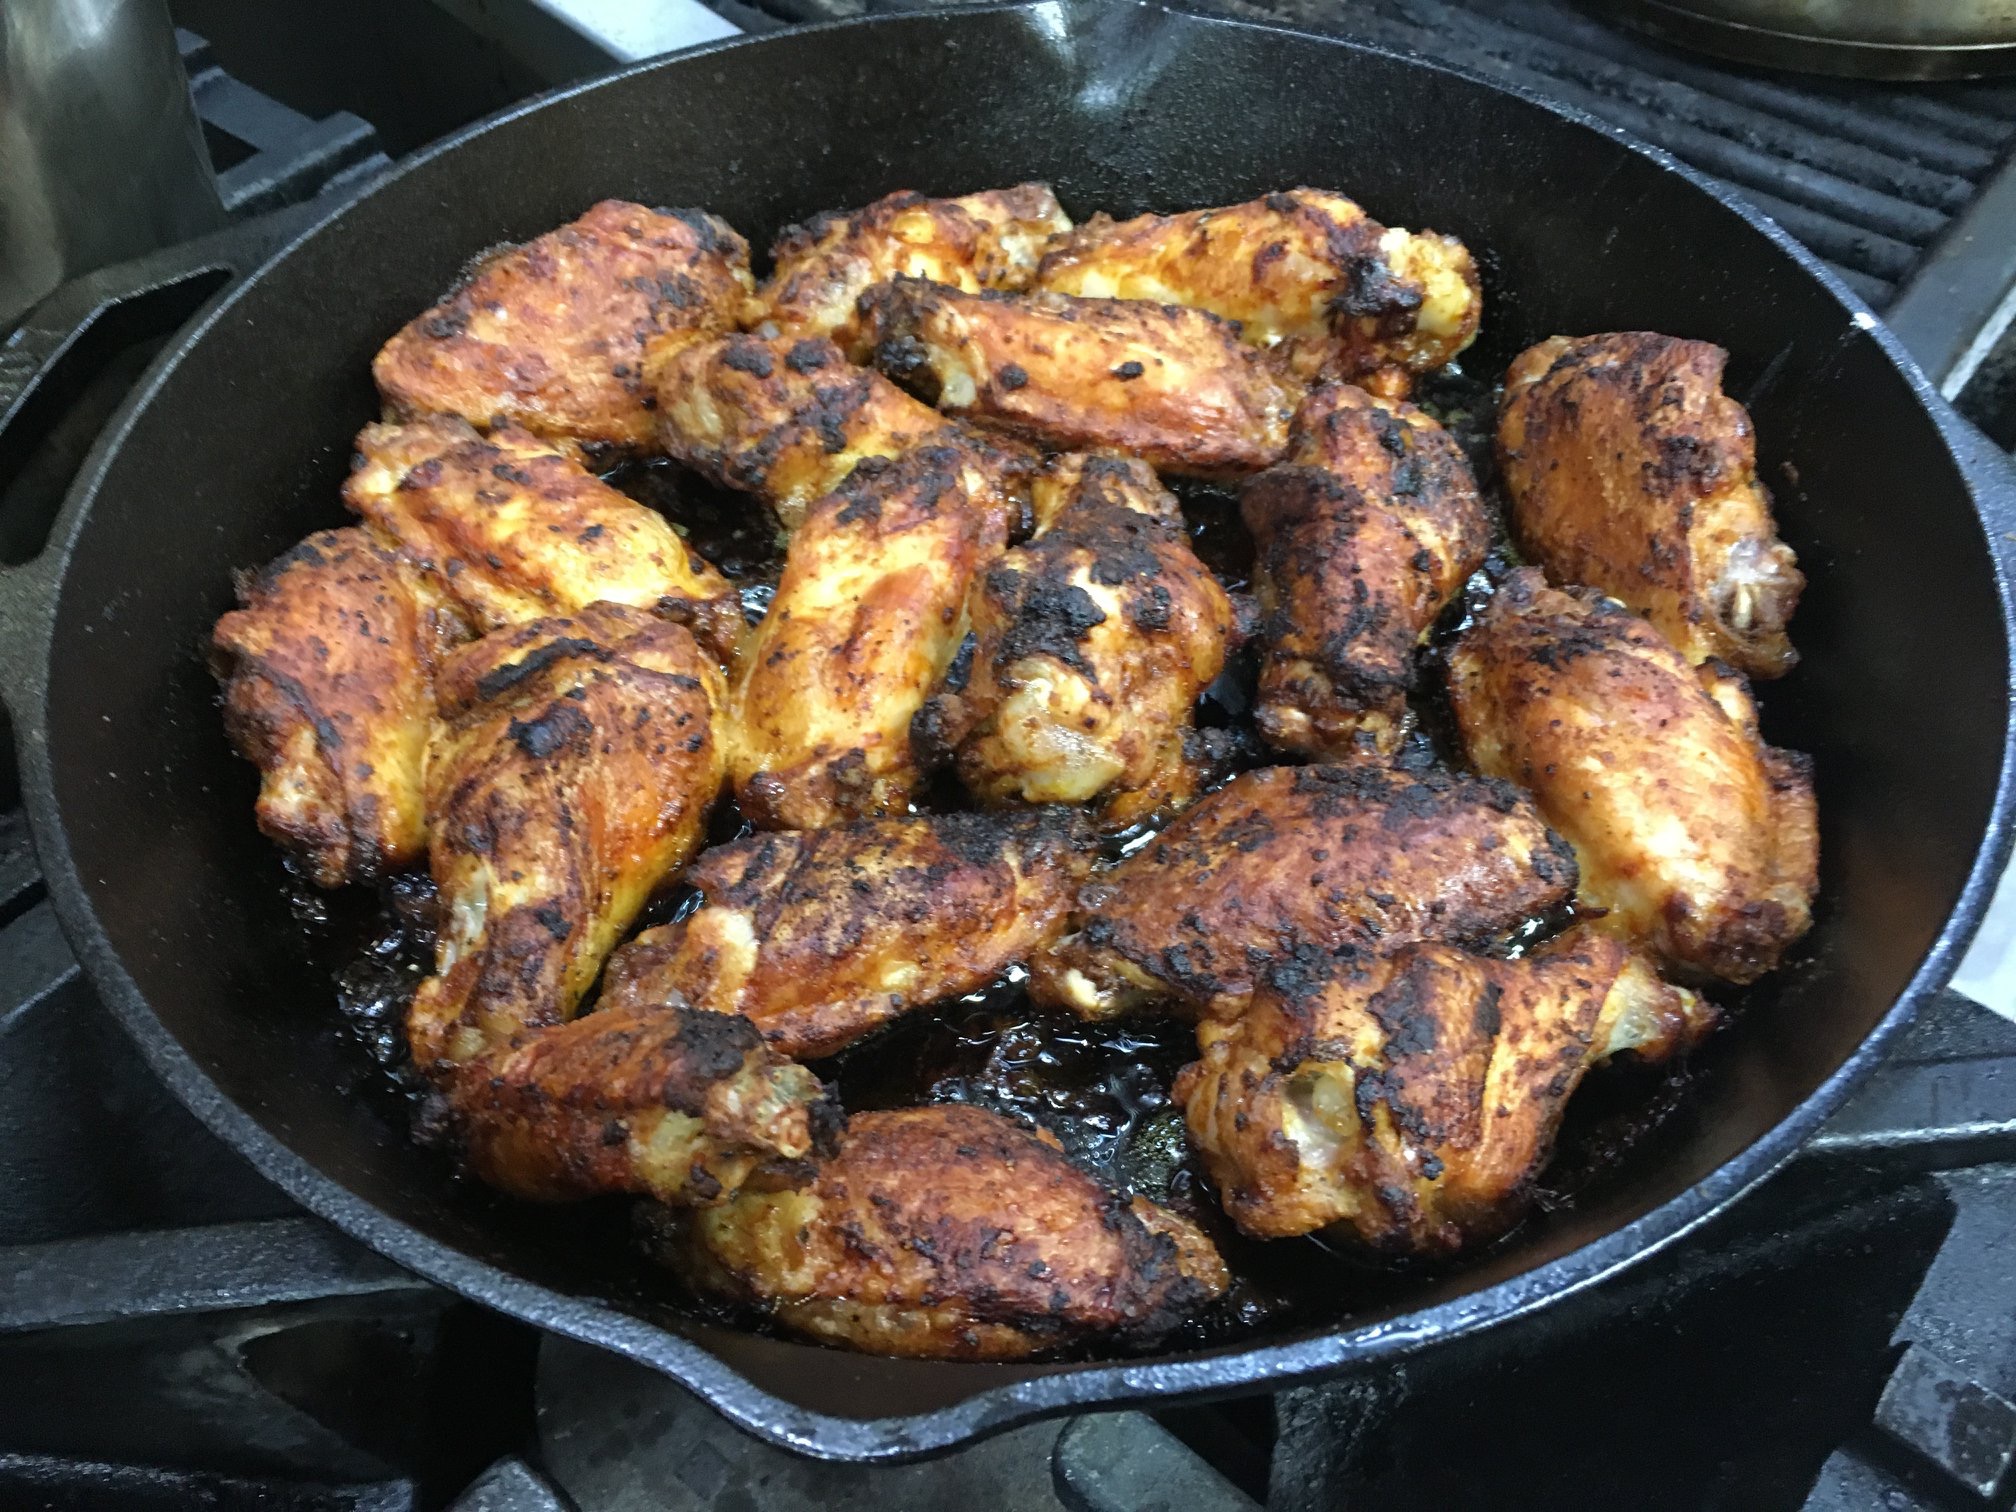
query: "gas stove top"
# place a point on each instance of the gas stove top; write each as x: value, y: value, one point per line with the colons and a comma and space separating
x: 173, y: 1332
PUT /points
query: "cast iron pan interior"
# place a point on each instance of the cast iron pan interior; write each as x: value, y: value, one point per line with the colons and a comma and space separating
x: 144, y: 816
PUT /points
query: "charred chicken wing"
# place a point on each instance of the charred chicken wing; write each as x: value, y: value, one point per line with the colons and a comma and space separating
x: 1361, y: 538
x: 1168, y: 384
x: 1631, y: 471
x: 563, y: 335
x: 328, y: 674
x: 821, y: 936
x: 786, y: 420
x: 1409, y: 1099
x: 572, y: 774
x: 1306, y: 270
x: 663, y: 1101
x: 990, y: 240
x: 867, y: 616
x: 1282, y: 862
x: 1094, y: 641
x: 951, y: 1233
x: 1698, y: 839
x: 514, y: 528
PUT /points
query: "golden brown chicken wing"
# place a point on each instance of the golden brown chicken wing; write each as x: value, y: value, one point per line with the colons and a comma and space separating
x: 1409, y: 1100
x: 1094, y: 641
x: 785, y: 419
x: 1361, y: 539
x: 572, y: 775
x: 1170, y: 385
x: 514, y: 528
x: 328, y: 674
x: 660, y: 1100
x: 563, y: 335
x: 867, y: 616
x: 990, y: 240
x: 822, y: 936
x: 1630, y: 471
x: 1306, y: 270
x: 951, y: 1233
x: 1290, y: 860
x: 1700, y: 841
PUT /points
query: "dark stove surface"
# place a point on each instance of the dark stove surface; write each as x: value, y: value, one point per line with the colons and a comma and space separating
x: 174, y: 1333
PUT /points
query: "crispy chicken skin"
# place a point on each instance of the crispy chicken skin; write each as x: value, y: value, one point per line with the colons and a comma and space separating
x: 660, y: 1100
x: 821, y: 936
x: 563, y: 335
x: 328, y: 673
x: 1281, y: 862
x: 784, y: 419
x: 1701, y: 841
x: 514, y: 529
x: 951, y: 1233
x: 571, y: 775
x: 1629, y: 470
x: 990, y: 240
x: 1406, y: 1100
x: 1170, y: 385
x: 1093, y: 642
x: 1307, y: 270
x: 867, y: 616
x: 1361, y: 538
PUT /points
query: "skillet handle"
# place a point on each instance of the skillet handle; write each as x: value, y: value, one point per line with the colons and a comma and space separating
x: 68, y: 372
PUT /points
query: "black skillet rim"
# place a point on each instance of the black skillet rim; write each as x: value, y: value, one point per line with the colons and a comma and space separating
x: 1095, y: 1384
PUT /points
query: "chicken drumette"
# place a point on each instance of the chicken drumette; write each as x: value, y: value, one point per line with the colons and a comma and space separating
x: 1171, y: 385
x: 328, y: 673
x: 990, y: 240
x: 513, y: 528
x: 571, y: 776
x: 951, y: 1233
x: 821, y: 936
x: 563, y: 336
x: 1361, y: 537
x: 1307, y: 270
x: 1631, y: 471
x: 1409, y: 1099
x: 786, y: 420
x: 1698, y: 839
x: 1292, y: 860
x: 867, y: 617
x: 1093, y: 642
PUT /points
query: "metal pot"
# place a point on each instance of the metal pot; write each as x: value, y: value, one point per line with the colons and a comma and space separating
x: 1875, y: 39
x: 101, y: 154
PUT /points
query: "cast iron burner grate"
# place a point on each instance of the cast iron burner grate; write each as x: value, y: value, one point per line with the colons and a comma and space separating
x: 176, y: 1333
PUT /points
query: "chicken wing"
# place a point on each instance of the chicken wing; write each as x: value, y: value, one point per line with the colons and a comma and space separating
x: 1307, y: 270
x: 328, y: 674
x: 822, y: 936
x: 513, y: 529
x: 563, y: 335
x: 660, y: 1100
x: 951, y: 1233
x: 571, y: 776
x: 990, y: 240
x: 1630, y: 471
x: 786, y: 420
x: 1361, y: 539
x: 1407, y: 1100
x: 867, y: 616
x: 1171, y: 385
x: 1699, y: 840
x: 1094, y: 641
x: 1291, y: 860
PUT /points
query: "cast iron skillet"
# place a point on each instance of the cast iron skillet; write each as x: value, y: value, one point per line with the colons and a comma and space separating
x: 234, y: 446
